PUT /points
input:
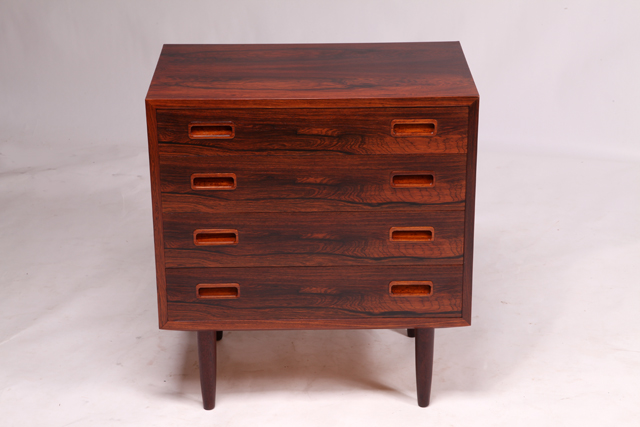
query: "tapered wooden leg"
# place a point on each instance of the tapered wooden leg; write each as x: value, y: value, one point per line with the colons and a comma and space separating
x: 207, y: 358
x: 424, y: 364
x: 218, y: 335
x: 411, y: 333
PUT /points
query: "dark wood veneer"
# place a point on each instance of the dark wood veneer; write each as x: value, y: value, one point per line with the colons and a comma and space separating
x: 313, y: 187
x: 424, y: 364
x: 313, y: 293
x: 156, y: 201
x: 325, y: 75
x: 310, y: 238
x: 312, y: 324
x: 469, y: 220
x: 313, y: 183
x: 312, y: 131
x: 207, y: 357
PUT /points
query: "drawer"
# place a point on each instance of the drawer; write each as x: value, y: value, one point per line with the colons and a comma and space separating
x: 313, y: 131
x: 205, y: 294
x: 312, y: 183
x: 313, y: 238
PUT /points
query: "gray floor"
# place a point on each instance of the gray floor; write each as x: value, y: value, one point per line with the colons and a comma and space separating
x: 555, y: 335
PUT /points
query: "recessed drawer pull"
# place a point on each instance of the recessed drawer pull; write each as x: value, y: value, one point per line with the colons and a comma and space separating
x: 217, y: 291
x: 220, y: 130
x: 411, y: 289
x: 411, y: 234
x: 213, y: 181
x: 215, y: 237
x: 412, y: 179
x: 415, y: 127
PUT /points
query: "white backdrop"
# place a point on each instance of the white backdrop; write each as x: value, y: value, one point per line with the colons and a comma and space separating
x: 557, y: 289
x: 555, y: 75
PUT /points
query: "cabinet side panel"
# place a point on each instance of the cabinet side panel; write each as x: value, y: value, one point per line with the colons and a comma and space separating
x: 156, y: 199
x: 472, y: 151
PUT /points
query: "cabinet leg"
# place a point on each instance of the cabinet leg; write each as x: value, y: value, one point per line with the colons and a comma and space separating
x: 207, y: 360
x: 218, y: 335
x: 424, y: 364
x: 411, y: 333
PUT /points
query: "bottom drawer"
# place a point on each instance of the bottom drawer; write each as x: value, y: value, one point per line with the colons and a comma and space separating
x: 289, y: 293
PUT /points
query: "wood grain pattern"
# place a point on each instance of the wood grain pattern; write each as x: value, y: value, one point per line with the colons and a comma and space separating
x: 312, y: 183
x: 469, y: 220
x: 312, y: 131
x: 322, y: 75
x: 299, y: 239
x: 329, y: 187
x: 410, y: 75
x: 311, y: 324
x: 313, y: 293
x: 156, y: 201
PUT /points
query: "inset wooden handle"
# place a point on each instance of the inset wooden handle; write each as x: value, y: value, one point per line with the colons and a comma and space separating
x: 218, y: 290
x: 412, y: 179
x: 217, y: 130
x: 411, y: 289
x: 411, y: 234
x: 414, y: 127
x: 213, y: 181
x: 215, y: 237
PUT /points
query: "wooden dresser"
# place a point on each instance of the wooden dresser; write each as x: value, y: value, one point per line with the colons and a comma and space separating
x: 313, y: 187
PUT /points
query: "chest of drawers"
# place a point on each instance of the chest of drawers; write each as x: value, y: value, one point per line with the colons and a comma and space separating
x: 313, y: 187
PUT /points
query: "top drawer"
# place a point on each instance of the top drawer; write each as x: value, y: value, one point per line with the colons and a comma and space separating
x: 309, y: 131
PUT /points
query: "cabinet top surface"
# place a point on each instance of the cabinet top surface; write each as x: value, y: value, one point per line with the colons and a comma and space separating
x: 304, y: 74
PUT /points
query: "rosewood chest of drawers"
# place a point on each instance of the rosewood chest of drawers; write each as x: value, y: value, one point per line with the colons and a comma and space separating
x: 313, y: 187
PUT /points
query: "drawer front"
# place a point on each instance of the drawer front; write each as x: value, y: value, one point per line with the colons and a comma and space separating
x: 307, y: 239
x: 313, y: 131
x: 312, y: 183
x: 202, y: 294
